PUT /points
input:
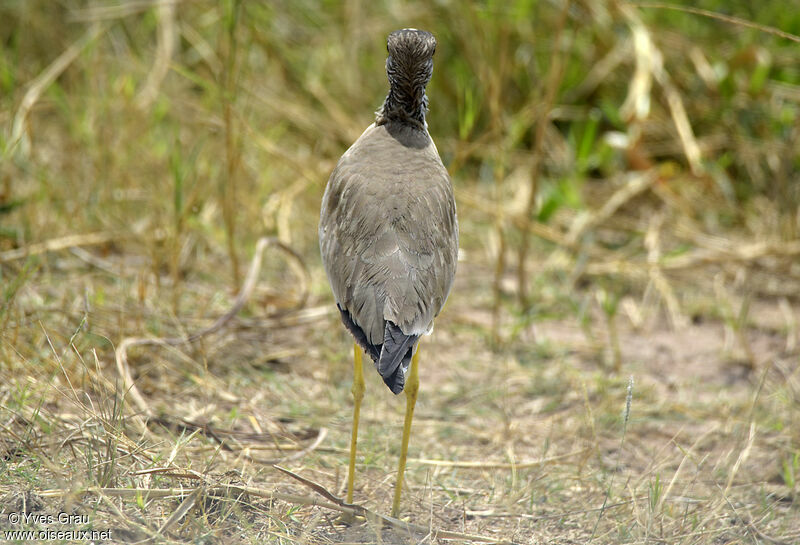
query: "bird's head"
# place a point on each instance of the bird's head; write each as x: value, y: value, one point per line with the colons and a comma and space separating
x: 409, y: 68
x: 410, y: 61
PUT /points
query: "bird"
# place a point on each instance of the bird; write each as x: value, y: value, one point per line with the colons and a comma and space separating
x: 388, y: 235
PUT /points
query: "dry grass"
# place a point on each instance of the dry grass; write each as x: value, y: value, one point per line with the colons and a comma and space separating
x: 627, y: 182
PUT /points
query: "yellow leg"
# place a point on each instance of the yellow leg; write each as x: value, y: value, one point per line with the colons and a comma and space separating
x: 358, y: 395
x: 411, y: 389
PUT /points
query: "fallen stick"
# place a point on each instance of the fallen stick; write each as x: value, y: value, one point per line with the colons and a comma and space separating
x: 362, y: 511
x: 55, y: 244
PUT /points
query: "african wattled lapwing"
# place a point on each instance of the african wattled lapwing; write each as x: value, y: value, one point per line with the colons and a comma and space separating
x: 388, y: 234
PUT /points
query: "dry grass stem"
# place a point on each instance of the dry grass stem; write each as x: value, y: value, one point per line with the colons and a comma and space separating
x: 720, y: 16
x: 650, y: 64
x: 475, y: 464
x: 636, y: 184
x: 57, y: 244
x: 554, y: 77
x: 165, y: 49
x: 42, y: 82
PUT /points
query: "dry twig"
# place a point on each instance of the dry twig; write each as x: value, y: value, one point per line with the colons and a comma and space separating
x: 164, y: 51
x: 45, y: 79
x: 55, y: 244
x: 362, y: 511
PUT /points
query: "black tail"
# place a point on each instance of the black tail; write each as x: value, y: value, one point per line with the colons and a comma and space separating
x: 395, y: 357
x: 391, y: 358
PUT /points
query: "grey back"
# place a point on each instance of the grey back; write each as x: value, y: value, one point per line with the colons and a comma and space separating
x: 388, y: 231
